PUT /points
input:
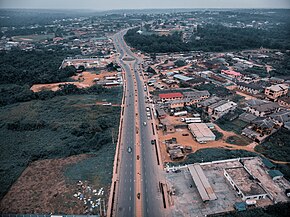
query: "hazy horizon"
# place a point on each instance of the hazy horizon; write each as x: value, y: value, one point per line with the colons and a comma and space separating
x: 102, y: 5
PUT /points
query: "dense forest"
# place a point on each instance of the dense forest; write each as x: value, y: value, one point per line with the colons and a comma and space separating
x: 212, y: 38
x: 36, y: 66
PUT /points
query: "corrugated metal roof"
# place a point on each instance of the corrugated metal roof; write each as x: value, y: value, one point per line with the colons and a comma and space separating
x: 205, y: 190
x: 170, y: 95
x: 201, y: 131
x: 182, y: 77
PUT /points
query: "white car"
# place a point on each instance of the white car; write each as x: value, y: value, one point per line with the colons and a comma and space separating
x: 144, y: 123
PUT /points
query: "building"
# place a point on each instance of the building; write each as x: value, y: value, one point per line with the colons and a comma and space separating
x: 275, y: 91
x: 204, y: 188
x: 264, y: 126
x: 264, y: 109
x: 201, y: 132
x: 249, y: 88
x: 281, y: 117
x: 284, y: 101
x: 170, y: 96
x: 244, y: 183
x: 231, y: 73
x: 275, y: 174
x: 182, y: 78
x: 179, y: 103
x: 220, y: 108
x: 208, y: 102
x: 193, y: 97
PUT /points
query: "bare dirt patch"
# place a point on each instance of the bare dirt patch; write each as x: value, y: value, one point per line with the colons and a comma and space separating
x: 82, y: 80
x: 43, y: 189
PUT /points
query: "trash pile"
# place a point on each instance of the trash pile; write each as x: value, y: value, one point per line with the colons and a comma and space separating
x: 93, y: 199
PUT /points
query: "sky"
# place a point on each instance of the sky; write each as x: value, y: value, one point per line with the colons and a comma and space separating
x: 141, y: 4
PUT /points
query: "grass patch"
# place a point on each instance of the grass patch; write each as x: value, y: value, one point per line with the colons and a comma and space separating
x: 218, y: 135
x: 236, y: 125
x: 238, y: 140
x: 33, y: 38
x: 59, y: 127
x: 213, y: 154
x: 277, y: 147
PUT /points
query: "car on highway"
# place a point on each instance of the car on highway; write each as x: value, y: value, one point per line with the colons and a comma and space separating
x: 153, y: 141
x: 129, y: 149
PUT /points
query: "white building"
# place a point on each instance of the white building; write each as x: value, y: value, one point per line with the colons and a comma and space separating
x: 201, y: 132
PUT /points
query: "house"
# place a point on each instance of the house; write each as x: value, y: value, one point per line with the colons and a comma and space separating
x: 160, y: 112
x: 220, y: 108
x: 264, y: 109
x: 193, y: 97
x: 264, y: 126
x: 208, y: 102
x: 284, y: 101
x: 275, y: 91
x: 249, y: 88
x: 247, y: 117
x: 231, y: 73
x: 170, y: 96
x: 281, y: 117
x: 179, y: 103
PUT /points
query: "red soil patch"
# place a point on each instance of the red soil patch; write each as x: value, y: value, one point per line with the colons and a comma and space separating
x: 42, y: 189
x: 82, y: 80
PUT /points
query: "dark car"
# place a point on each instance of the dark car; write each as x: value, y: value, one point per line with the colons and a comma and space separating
x: 185, y: 134
x: 152, y: 142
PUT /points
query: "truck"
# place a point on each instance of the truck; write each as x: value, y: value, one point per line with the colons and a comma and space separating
x: 181, y: 113
x: 189, y: 119
x: 193, y: 121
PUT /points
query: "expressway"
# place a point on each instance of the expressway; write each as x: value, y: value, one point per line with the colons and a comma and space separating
x: 150, y: 170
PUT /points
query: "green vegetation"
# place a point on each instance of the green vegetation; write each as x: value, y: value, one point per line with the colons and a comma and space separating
x: 37, y: 66
x: 262, y: 72
x: 53, y: 128
x: 238, y: 140
x: 215, y: 90
x: 33, y: 38
x: 213, y: 37
x: 213, y: 154
x: 277, y: 147
x: 154, y: 43
x: 218, y: 135
x: 12, y: 93
x: 236, y: 125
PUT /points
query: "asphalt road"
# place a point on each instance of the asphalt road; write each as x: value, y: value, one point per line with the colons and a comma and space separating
x: 151, y: 174
x: 126, y: 195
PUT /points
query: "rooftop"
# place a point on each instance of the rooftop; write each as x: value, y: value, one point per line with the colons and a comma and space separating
x: 278, y: 87
x: 170, y: 95
x: 231, y: 72
x: 201, y: 130
x: 182, y: 77
x: 244, y: 181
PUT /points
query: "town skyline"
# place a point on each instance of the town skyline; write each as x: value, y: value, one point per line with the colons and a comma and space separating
x: 130, y: 4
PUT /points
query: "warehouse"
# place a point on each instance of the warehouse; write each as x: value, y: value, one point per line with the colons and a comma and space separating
x: 205, y: 190
x: 201, y: 132
x: 243, y: 182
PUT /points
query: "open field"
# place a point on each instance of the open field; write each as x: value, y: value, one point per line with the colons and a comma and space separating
x: 81, y: 80
x: 57, y: 128
x: 32, y: 38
